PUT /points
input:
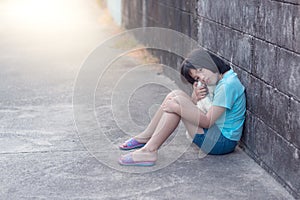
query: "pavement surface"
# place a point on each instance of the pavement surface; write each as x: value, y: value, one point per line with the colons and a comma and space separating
x: 43, y: 154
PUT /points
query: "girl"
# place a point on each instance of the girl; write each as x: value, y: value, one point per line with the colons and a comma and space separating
x: 216, y: 132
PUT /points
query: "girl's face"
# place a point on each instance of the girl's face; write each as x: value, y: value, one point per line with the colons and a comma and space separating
x: 205, y: 76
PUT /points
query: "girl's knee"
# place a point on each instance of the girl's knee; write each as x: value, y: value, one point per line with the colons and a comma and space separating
x: 175, y: 93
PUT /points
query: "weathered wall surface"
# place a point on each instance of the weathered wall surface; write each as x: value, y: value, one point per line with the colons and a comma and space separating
x: 261, y: 40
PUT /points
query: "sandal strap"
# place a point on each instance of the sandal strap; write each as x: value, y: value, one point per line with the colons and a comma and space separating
x: 131, y: 142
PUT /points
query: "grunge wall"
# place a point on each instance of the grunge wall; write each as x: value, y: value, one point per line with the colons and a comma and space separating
x: 261, y: 41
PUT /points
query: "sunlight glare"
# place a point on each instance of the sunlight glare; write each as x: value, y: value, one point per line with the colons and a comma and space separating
x: 39, y: 13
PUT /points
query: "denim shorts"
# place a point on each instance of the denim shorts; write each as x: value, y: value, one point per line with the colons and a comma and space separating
x: 213, y: 142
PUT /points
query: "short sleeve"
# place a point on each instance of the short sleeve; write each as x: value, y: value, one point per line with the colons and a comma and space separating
x: 223, y: 96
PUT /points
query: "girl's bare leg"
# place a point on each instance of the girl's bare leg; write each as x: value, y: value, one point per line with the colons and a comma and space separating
x: 190, y: 115
x: 166, y: 125
x: 148, y: 132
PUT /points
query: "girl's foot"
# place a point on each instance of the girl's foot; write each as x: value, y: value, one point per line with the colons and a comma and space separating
x: 141, y: 157
x: 132, y: 143
x: 144, y: 154
x: 141, y: 139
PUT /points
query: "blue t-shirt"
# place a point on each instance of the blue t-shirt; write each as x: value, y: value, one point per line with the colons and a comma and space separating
x: 229, y: 93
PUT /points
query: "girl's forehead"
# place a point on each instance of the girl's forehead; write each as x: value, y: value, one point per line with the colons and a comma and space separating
x: 192, y: 71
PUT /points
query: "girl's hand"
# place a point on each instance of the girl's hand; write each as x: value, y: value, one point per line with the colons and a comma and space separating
x: 198, y: 92
x: 170, y: 105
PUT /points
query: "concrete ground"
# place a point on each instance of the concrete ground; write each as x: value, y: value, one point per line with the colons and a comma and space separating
x: 44, y: 155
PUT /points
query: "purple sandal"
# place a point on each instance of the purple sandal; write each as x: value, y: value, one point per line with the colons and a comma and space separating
x: 131, y: 144
x: 128, y: 161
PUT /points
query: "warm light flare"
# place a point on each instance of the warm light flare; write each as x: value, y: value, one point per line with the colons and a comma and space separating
x: 39, y: 13
x: 55, y: 27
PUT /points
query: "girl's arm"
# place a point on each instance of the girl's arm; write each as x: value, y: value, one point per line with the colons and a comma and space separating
x: 206, y: 121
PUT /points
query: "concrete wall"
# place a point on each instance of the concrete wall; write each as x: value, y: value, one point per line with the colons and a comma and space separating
x: 261, y: 40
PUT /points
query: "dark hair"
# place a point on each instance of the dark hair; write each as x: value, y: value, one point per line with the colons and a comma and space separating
x: 221, y: 65
x: 186, y: 66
